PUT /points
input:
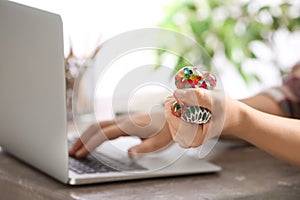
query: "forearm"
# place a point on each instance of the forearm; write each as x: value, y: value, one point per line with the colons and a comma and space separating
x: 264, y: 103
x: 276, y: 135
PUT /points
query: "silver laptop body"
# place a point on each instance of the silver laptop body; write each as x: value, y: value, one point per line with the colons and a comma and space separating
x: 33, y: 124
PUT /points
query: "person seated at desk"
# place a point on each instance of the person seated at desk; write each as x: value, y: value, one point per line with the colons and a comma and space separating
x: 268, y: 120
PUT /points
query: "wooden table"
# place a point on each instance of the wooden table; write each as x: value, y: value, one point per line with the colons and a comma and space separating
x: 248, y: 173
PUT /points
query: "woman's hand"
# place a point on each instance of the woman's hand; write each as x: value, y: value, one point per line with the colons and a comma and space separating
x: 152, y: 129
x: 225, y: 115
x: 277, y: 135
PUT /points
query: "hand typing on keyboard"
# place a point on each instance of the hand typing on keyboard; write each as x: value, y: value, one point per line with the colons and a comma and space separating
x: 152, y: 129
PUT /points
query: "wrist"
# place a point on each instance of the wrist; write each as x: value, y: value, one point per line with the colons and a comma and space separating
x: 235, y: 115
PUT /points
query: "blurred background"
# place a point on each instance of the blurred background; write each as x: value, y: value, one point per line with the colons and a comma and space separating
x: 253, y: 44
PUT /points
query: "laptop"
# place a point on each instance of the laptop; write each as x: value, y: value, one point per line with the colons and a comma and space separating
x: 33, y: 119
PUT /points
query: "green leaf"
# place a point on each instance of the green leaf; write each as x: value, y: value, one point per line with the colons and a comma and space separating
x: 230, y: 42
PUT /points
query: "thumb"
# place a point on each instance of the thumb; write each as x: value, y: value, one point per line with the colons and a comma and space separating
x: 150, y: 145
x: 139, y: 150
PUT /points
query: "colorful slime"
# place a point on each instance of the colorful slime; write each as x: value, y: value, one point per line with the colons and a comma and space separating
x: 192, y: 77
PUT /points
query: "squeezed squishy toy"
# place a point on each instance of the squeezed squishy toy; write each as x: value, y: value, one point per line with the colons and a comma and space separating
x: 192, y: 77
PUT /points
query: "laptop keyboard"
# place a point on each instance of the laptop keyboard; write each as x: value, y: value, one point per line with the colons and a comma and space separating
x: 92, y: 164
x: 88, y: 166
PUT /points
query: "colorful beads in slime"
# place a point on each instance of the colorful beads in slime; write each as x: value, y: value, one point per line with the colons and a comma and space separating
x: 192, y: 77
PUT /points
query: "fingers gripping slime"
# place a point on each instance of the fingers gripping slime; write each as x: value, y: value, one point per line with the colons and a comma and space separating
x: 192, y: 77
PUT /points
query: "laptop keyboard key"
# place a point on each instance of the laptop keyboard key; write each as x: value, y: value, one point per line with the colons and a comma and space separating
x: 88, y: 166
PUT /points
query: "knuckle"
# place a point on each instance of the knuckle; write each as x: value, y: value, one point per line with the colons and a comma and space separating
x: 199, y: 94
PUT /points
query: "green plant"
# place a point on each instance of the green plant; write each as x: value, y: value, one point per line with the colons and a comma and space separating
x: 228, y: 27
